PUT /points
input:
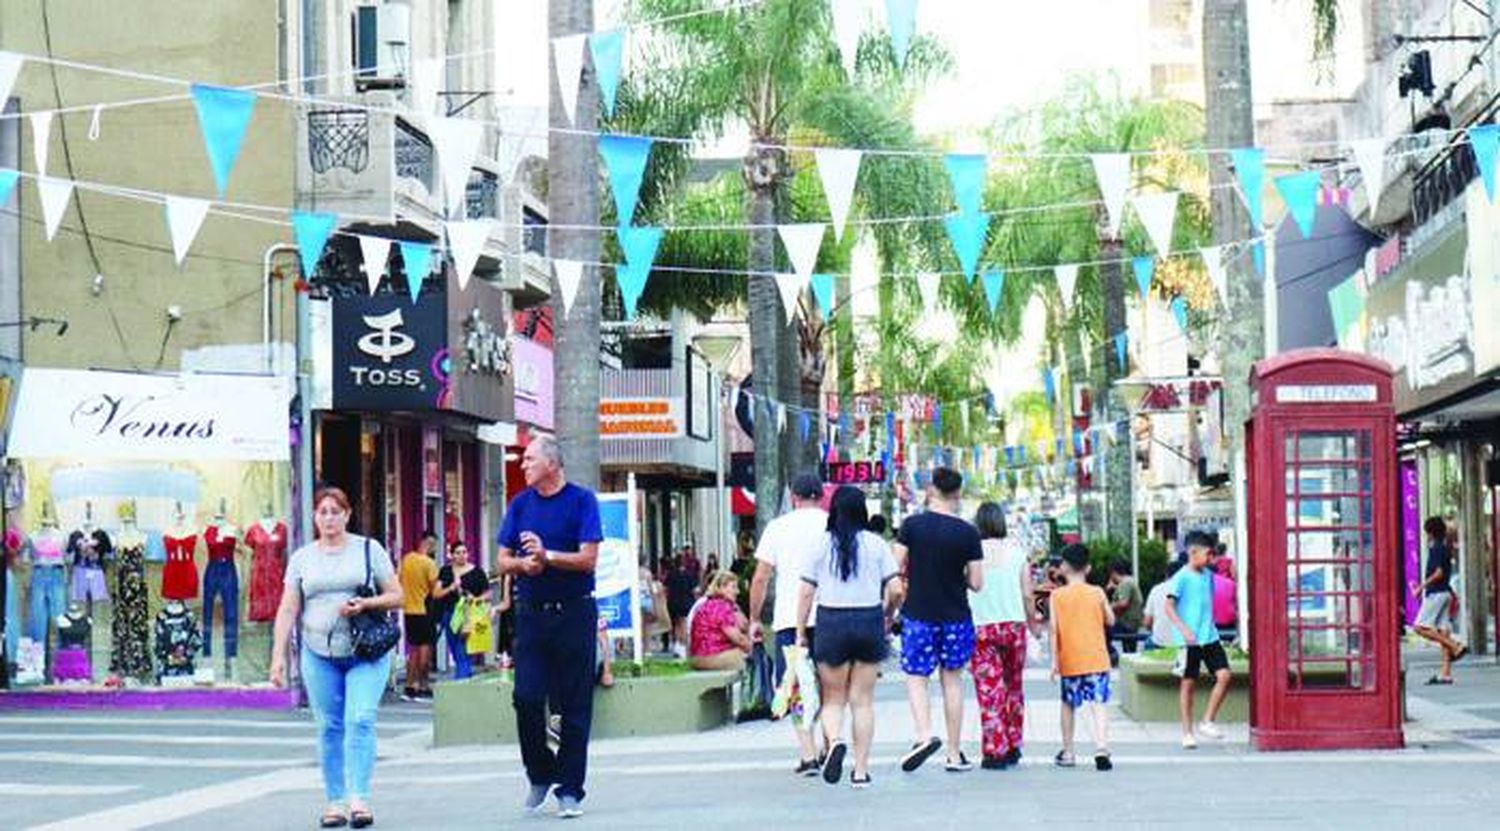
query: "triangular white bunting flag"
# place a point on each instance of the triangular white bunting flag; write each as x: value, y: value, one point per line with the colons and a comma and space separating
x: 569, y: 275
x: 375, y: 251
x: 848, y: 20
x: 55, y: 194
x: 465, y: 242
x: 1369, y: 154
x: 802, y: 242
x: 10, y: 67
x: 1067, y: 278
x: 456, y: 141
x: 567, y: 54
x: 426, y: 82
x: 184, y: 218
x: 781, y: 418
x: 1158, y: 212
x: 838, y: 169
x: 928, y: 283
x: 41, y: 138
x: 1113, y: 172
x: 1213, y: 260
x: 790, y: 286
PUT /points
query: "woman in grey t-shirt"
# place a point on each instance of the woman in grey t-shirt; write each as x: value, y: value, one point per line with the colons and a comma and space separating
x: 344, y: 691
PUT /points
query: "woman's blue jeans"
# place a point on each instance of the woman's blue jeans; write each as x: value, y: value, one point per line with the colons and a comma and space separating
x: 457, y: 650
x: 345, y: 696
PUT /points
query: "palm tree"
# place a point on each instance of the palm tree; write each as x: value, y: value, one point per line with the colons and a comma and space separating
x: 770, y: 68
x: 573, y: 203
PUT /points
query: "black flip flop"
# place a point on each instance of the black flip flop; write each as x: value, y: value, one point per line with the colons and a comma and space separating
x: 361, y: 819
x: 332, y: 819
x: 920, y: 753
x: 1462, y: 651
x: 1435, y: 681
x: 833, y: 766
x: 1102, y: 762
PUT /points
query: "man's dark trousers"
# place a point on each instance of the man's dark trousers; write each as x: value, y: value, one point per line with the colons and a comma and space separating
x: 555, y: 651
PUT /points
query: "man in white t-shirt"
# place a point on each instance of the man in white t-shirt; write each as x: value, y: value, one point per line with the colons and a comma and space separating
x: 788, y: 543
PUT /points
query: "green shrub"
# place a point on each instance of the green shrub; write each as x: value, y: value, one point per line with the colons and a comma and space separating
x: 1104, y: 550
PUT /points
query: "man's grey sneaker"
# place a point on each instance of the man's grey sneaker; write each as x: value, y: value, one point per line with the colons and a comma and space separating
x: 535, y: 798
x: 568, y: 807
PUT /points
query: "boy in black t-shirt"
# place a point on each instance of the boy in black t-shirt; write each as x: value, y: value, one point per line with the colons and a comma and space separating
x: 942, y: 558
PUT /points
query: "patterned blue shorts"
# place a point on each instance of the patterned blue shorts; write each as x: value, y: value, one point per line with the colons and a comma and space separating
x: 1077, y: 689
x: 926, y: 645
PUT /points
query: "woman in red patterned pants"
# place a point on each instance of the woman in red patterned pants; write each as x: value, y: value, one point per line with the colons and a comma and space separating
x: 1001, y: 611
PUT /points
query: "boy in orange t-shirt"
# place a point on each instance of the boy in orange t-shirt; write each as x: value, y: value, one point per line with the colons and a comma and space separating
x: 1080, y: 653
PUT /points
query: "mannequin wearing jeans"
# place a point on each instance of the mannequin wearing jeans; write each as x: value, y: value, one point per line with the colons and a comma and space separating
x: 221, y: 582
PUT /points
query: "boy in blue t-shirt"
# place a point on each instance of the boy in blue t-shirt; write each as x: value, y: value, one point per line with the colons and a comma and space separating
x: 1190, y: 610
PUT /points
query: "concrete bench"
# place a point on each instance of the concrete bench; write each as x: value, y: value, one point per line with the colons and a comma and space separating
x: 479, y: 710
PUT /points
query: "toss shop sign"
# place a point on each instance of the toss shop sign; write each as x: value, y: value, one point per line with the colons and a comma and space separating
x: 641, y: 418
x: 87, y: 414
x: 389, y: 353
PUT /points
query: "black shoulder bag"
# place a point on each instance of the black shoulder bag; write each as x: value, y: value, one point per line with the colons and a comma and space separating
x: 373, y: 633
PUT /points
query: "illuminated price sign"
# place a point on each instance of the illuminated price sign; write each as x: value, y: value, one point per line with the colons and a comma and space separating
x: 853, y: 473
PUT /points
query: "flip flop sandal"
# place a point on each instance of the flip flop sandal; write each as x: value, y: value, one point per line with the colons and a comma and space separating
x: 333, y: 818
x: 1063, y: 759
x: 361, y: 819
x: 1102, y: 761
x: 1435, y: 681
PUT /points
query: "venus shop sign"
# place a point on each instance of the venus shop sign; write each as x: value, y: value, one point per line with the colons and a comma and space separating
x: 121, y: 415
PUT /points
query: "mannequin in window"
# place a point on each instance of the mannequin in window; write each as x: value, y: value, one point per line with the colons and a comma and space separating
x: 48, y: 597
x: 179, y: 577
x: 131, y: 628
x: 267, y: 540
x: 221, y: 584
x: 177, y: 640
x: 15, y: 543
x: 75, y: 645
x: 88, y: 546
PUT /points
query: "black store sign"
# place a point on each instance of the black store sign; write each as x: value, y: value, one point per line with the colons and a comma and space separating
x: 390, y: 353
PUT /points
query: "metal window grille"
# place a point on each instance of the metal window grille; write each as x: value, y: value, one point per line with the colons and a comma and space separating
x: 338, y: 138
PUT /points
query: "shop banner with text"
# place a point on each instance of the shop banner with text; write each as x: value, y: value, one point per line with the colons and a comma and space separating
x: 617, y: 575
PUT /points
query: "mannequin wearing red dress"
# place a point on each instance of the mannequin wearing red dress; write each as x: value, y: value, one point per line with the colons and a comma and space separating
x: 268, y: 542
x: 179, y: 577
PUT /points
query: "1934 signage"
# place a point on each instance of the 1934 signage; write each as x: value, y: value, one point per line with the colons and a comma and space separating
x: 389, y: 353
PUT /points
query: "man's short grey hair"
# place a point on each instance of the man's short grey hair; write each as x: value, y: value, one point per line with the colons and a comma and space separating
x: 549, y: 447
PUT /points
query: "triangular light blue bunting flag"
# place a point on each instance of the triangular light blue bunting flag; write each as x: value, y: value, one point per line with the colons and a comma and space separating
x: 994, y: 286
x: 312, y: 231
x: 223, y: 115
x: 1484, y: 139
x: 890, y: 434
x: 1250, y: 168
x: 967, y: 231
x: 631, y: 278
x: 608, y: 52
x: 804, y: 426
x: 1050, y: 384
x: 639, y: 244
x: 1121, y: 340
x: 625, y: 160
x: 966, y: 172
x: 1010, y: 455
x: 8, y: 180
x: 822, y: 288
x: 901, y: 16
x: 416, y: 261
x: 1258, y: 256
x: 937, y: 420
x: 1300, y: 192
x: 1145, y: 267
x: 1180, y: 312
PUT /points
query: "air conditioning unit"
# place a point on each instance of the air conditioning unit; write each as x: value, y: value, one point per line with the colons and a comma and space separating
x: 381, y: 37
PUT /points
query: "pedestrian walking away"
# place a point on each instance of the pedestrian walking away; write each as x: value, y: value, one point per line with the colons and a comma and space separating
x: 854, y: 585
x: 1190, y: 609
x: 1003, y: 610
x: 1081, y: 615
x: 419, y: 576
x: 321, y: 587
x: 789, y: 544
x: 1435, y: 619
x: 943, y: 560
x: 549, y: 542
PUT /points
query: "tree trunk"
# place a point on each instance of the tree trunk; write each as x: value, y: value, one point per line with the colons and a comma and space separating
x: 1120, y: 498
x: 767, y: 328
x: 1231, y: 123
x: 573, y: 200
x: 843, y: 350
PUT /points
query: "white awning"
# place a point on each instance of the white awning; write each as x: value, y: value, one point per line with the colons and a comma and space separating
x: 87, y: 414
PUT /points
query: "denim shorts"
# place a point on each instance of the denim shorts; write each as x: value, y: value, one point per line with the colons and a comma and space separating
x: 846, y: 635
x: 925, y: 646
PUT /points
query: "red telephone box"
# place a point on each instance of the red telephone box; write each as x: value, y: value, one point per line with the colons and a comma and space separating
x: 1324, y: 554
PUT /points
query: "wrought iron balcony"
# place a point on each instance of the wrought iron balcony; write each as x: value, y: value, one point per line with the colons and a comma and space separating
x: 413, y: 155
x: 1442, y: 181
x: 338, y: 138
x: 482, y: 196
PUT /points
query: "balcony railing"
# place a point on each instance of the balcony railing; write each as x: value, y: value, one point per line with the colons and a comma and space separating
x: 1442, y: 181
x: 482, y: 196
x: 338, y: 138
x: 413, y: 155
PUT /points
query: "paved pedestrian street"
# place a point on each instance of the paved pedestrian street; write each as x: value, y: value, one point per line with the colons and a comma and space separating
x: 258, y: 772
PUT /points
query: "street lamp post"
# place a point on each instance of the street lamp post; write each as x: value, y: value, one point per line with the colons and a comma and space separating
x: 718, y: 350
x: 1132, y: 392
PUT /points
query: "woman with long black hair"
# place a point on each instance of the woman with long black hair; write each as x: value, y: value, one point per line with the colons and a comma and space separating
x: 854, y: 586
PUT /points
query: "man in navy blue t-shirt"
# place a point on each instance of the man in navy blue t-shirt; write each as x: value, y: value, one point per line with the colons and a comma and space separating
x: 549, y: 542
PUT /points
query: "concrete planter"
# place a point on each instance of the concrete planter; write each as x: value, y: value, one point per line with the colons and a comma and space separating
x: 479, y: 710
x: 1149, y: 690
